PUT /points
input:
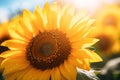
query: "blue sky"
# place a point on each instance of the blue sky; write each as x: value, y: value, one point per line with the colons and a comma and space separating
x: 10, y: 8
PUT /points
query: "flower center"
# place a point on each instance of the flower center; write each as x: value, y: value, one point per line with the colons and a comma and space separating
x: 48, y: 49
x: 105, y: 43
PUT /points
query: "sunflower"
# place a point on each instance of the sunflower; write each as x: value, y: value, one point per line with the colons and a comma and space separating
x: 109, y: 16
x: 108, y: 41
x: 50, y: 43
x: 108, y: 30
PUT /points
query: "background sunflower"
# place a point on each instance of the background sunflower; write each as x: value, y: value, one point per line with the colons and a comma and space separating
x: 108, y: 31
x: 109, y: 16
x: 107, y: 22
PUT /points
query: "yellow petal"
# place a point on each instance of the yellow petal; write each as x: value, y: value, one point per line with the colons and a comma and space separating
x: 75, y: 37
x: 79, y: 22
x: 71, y: 70
x: 45, y: 75
x: 40, y: 23
x: 76, y: 19
x: 86, y: 64
x: 72, y: 60
x: 64, y: 19
x: 79, y: 27
x: 14, y: 33
x: 30, y: 20
x: 51, y: 13
x: 17, y: 75
x: 16, y: 63
x: 63, y: 72
x: 10, y: 53
x: 68, y: 71
x: 86, y: 54
x: 96, y: 57
x: 20, y: 30
x: 83, y: 64
x: 55, y: 74
x: 15, y: 44
x: 33, y: 74
x: 44, y: 10
x: 25, y: 28
x: 89, y: 42
x: 79, y: 63
x: 84, y: 43
x: 81, y: 54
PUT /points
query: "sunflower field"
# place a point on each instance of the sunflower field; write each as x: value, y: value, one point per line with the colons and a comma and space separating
x: 60, y: 40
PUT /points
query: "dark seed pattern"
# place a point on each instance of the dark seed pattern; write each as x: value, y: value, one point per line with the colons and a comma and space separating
x: 57, y: 47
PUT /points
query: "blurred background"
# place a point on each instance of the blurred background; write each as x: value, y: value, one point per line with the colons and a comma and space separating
x: 9, y: 9
x: 107, y: 15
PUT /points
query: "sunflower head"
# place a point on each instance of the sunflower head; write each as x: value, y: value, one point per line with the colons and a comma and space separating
x: 109, y: 41
x: 49, y: 43
x: 109, y: 16
x: 107, y: 30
